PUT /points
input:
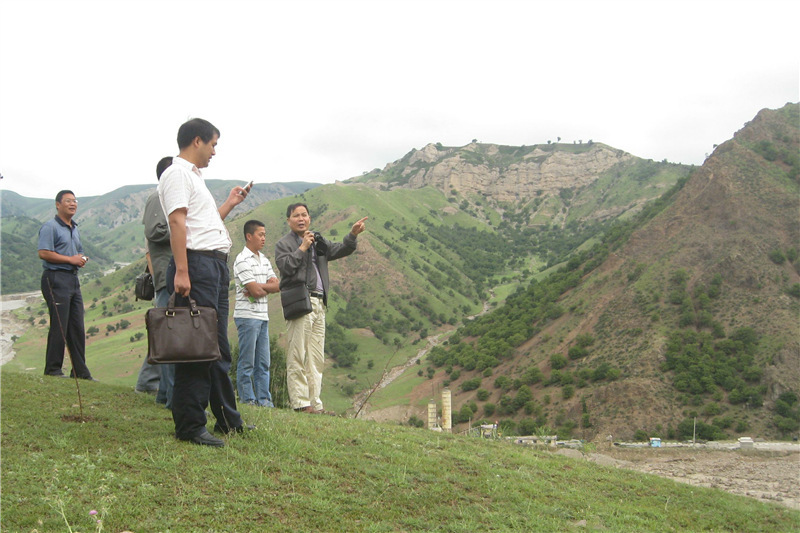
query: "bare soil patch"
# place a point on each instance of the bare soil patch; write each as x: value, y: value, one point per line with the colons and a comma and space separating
x: 769, y: 475
x: 77, y: 418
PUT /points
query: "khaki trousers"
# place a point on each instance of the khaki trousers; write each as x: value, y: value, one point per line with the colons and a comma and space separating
x: 305, y: 357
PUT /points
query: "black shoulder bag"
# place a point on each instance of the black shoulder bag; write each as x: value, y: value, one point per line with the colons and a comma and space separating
x: 295, y: 300
x: 144, y: 288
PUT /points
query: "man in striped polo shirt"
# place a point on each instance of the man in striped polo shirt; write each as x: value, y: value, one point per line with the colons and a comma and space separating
x: 254, y: 280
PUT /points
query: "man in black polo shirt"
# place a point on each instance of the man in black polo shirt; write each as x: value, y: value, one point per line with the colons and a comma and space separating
x: 61, y: 253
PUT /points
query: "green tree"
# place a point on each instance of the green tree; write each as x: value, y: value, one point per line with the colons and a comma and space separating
x: 471, y: 384
x: 558, y: 361
x: 523, y: 396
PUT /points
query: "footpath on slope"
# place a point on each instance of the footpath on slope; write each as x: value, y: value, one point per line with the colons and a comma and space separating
x: 401, y: 412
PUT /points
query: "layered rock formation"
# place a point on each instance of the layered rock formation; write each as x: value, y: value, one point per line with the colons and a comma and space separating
x: 505, y: 175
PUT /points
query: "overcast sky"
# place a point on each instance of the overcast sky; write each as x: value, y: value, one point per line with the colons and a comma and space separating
x: 92, y: 92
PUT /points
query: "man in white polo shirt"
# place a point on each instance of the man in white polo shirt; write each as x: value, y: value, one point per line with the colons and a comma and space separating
x: 199, y: 268
x: 255, y: 279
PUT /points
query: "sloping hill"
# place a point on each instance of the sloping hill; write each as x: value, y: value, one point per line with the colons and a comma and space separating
x: 695, y: 315
x: 297, y: 472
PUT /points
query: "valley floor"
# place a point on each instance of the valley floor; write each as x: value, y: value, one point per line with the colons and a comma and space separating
x: 11, y: 325
x: 771, y: 476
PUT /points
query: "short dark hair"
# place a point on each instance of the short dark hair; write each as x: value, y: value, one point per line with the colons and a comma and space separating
x: 163, y: 165
x: 292, y: 207
x: 250, y: 227
x: 61, y: 194
x: 197, y: 127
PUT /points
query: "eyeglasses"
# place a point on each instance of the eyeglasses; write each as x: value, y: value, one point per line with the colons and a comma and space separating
x: 69, y: 201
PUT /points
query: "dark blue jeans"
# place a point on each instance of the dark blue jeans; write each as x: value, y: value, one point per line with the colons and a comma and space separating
x: 62, y: 292
x: 158, y: 378
x: 252, y: 370
x: 198, y: 384
x: 167, y: 379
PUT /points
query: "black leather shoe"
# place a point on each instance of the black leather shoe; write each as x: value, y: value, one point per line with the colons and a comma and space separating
x: 207, y: 439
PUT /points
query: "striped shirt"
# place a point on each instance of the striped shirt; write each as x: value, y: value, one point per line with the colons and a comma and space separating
x: 251, y: 267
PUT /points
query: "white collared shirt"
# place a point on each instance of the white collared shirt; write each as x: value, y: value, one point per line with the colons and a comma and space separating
x: 182, y: 185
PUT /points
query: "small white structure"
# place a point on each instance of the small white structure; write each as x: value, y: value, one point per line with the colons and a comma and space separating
x: 432, y: 425
x: 655, y: 442
x: 745, y: 442
x: 447, y: 411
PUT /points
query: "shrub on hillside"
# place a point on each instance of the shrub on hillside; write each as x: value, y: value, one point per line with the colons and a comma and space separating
x: 524, y: 395
x: 794, y: 290
x: 415, y: 422
x: 502, y: 382
x: 703, y: 431
x: 532, y: 375
x: 777, y: 257
x: 527, y: 427
x: 577, y: 352
x: 558, y: 361
x: 471, y: 384
x: 567, y: 392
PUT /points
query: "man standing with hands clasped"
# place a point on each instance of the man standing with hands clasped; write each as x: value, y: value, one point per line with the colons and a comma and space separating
x: 254, y: 280
x: 199, y: 269
x: 303, y: 258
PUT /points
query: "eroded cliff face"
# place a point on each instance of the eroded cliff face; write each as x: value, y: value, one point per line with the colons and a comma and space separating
x: 485, y: 170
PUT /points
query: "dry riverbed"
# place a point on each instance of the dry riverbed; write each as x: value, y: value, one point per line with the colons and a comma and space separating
x: 770, y: 472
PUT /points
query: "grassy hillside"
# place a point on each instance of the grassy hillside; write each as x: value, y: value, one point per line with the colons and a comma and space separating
x: 297, y: 472
x: 689, y: 311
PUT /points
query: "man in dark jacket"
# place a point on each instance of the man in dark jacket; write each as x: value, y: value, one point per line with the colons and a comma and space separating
x: 303, y: 259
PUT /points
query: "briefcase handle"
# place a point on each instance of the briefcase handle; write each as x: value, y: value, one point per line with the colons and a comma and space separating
x: 194, y: 311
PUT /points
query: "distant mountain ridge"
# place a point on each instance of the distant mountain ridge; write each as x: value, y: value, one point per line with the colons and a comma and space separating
x: 506, y: 173
x: 126, y: 203
x: 515, y: 174
x: 110, y: 224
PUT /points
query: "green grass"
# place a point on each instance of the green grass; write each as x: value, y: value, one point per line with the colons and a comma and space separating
x: 399, y: 391
x: 297, y: 472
